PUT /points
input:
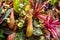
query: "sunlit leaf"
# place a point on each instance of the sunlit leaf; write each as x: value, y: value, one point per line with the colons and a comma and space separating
x: 53, y: 2
x: 0, y: 0
x: 27, y: 2
x: 16, y: 5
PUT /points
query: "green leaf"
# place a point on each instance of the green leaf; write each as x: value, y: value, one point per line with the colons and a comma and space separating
x: 21, y: 24
x: 37, y: 32
x: 0, y: 0
x: 27, y: 2
x: 20, y: 36
x: 1, y: 33
x: 16, y: 5
x: 53, y: 2
x: 37, y: 23
x: 1, y: 9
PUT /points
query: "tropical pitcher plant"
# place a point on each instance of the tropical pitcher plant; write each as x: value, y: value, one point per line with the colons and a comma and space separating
x: 23, y: 19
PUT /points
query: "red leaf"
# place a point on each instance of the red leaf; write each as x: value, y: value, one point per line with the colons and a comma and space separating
x: 42, y: 16
x: 56, y: 23
x: 32, y: 3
